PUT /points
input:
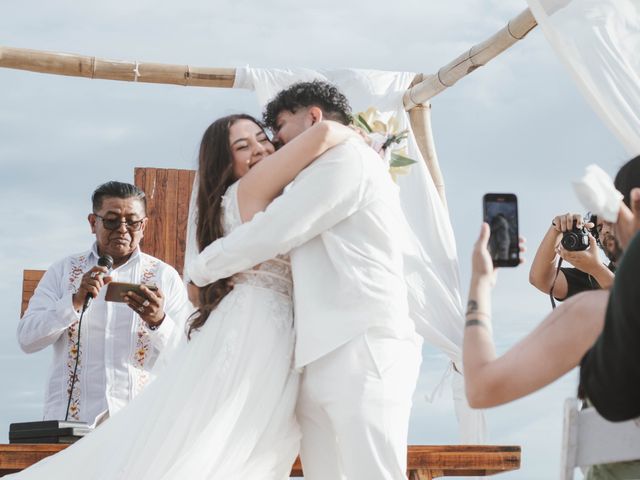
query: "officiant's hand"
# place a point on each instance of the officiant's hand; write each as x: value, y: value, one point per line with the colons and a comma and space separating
x: 92, y: 281
x: 149, y: 307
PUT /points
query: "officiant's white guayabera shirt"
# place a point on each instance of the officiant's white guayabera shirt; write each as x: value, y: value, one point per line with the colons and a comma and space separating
x: 117, y: 349
x: 342, y: 223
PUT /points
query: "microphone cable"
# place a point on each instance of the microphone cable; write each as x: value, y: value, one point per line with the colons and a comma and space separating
x: 103, y: 261
x: 75, y: 367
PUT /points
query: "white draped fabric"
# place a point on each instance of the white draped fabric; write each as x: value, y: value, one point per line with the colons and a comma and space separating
x: 599, y: 42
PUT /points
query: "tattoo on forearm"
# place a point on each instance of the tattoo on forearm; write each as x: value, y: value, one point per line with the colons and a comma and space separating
x: 474, y: 322
x: 472, y: 306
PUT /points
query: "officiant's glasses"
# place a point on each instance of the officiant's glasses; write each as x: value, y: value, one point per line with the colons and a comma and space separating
x: 114, y: 223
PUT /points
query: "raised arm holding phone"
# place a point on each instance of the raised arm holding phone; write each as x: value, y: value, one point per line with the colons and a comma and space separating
x: 566, y: 337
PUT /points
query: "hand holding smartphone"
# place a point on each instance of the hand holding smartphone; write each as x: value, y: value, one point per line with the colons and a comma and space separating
x: 117, y: 290
x: 500, y: 211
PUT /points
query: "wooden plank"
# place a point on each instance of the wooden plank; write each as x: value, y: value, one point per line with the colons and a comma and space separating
x: 185, y: 184
x: 159, y: 215
x: 139, y: 175
x: 16, y: 457
x: 30, y: 280
x: 140, y: 180
x: 465, y: 457
x: 33, y: 275
x: 168, y: 192
x: 148, y: 244
x: 170, y: 230
x: 29, y: 285
x: 433, y: 461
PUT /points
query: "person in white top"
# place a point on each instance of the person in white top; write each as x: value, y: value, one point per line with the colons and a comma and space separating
x: 119, y: 342
x: 342, y: 224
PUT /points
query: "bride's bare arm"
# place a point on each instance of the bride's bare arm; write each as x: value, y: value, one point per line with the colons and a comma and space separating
x: 556, y: 346
x: 265, y: 181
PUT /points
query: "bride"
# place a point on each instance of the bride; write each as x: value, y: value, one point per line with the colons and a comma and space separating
x: 223, y: 406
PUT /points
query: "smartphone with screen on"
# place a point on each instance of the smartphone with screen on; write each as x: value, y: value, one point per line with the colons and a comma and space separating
x: 117, y: 290
x: 501, y: 213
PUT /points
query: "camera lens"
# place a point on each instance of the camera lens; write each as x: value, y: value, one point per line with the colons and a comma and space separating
x: 570, y: 241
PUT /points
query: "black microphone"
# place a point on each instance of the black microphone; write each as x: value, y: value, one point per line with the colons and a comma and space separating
x: 103, y: 261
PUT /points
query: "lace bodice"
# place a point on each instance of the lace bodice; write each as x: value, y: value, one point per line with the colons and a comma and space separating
x: 273, y: 274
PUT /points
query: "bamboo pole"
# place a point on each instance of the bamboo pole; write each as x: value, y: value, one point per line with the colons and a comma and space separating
x: 420, y: 117
x: 466, y: 63
x: 94, y: 67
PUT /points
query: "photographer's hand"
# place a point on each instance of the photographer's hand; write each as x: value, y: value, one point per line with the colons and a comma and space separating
x: 562, y: 223
x: 543, y: 268
x: 589, y: 262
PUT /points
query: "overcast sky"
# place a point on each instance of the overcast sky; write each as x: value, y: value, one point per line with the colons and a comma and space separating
x: 517, y: 125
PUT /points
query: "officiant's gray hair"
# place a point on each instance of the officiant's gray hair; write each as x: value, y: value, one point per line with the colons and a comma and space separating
x: 116, y: 190
x: 324, y: 95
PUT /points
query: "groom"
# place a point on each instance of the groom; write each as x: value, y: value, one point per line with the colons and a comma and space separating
x: 341, y: 222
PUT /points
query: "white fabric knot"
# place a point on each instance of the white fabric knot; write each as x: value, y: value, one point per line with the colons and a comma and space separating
x: 596, y: 192
x: 377, y: 141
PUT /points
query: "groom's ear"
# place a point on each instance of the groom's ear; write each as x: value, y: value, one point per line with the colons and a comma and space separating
x: 316, y: 114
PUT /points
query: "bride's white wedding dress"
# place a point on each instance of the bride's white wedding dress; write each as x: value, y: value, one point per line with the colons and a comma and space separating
x: 222, y: 407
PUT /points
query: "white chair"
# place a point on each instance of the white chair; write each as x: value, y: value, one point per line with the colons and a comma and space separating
x: 589, y: 439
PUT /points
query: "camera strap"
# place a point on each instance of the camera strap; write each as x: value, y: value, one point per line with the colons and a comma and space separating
x: 553, y: 300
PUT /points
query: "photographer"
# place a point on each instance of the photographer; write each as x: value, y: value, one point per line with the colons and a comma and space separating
x: 588, y: 272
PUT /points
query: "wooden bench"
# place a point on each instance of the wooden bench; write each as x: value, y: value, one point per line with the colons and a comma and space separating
x: 168, y: 192
x: 423, y: 462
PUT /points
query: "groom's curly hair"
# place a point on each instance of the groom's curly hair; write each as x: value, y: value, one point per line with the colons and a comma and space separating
x: 323, y: 95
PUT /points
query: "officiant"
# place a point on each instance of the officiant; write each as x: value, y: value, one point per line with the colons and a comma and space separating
x: 103, y: 362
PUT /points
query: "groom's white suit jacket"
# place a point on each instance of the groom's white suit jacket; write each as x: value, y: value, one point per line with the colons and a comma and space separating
x: 342, y: 224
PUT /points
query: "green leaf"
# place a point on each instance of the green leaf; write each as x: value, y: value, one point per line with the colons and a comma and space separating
x: 398, y: 160
x: 397, y: 138
x: 401, y: 136
x: 362, y: 123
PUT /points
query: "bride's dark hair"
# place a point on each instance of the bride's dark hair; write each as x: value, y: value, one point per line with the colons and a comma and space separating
x: 215, y: 173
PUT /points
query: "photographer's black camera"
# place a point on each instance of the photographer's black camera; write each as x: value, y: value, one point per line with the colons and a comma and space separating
x: 576, y: 239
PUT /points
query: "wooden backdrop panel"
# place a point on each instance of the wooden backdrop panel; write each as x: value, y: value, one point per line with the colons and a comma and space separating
x: 168, y: 192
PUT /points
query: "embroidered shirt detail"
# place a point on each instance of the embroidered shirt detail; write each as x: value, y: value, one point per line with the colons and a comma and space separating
x: 78, y: 267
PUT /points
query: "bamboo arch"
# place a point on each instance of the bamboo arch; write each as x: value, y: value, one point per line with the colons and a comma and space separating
x: 416, y: 98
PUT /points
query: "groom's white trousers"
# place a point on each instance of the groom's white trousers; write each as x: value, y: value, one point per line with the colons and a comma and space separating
x: 354, y: 406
